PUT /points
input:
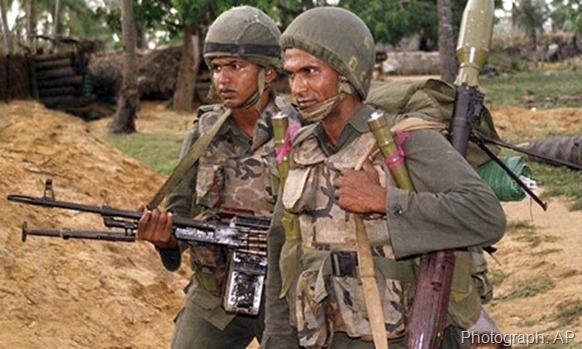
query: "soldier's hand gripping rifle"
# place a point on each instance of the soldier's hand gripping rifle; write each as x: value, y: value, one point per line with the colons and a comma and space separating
x: 244, y: 235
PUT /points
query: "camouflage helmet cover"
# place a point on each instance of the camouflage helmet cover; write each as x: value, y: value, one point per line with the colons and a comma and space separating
x: 245, y: 32
x: 339, y: 38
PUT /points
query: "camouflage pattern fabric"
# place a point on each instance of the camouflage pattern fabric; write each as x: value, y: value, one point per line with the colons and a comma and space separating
x: 228, y: 178
x: 328, y: 303
x: 233, y: 175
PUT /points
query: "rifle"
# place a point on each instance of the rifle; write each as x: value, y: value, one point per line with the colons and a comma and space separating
x: 467, y: 114
x: 244, y: 235
x: 436, y: 269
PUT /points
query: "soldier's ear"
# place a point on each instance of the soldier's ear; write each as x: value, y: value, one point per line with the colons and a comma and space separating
x: 270, y: 74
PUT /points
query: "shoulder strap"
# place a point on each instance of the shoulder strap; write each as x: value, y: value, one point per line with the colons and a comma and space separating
x: 416, y: 122
x: 188, y: 161
x: 367, y: 275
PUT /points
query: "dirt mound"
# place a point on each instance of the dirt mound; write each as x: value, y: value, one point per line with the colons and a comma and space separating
x: 76, y: 294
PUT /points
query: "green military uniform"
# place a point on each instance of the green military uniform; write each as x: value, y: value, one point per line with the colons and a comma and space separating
x: 464, y: 213
x: 233, y: 158
x: 452, y: 209
x: 235, y: 171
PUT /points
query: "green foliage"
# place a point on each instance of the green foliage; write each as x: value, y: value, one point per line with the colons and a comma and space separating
x: 560, y: 182
x: 195, y: 11
x: 567, y: 15
x: 534, y: 287
x: 75, y: 19
x: 530, y: 16
x: 391, y: 21
x: 555, y: 84
x: 567, y: 314
x: 159, y: 151
x: 520, y: 225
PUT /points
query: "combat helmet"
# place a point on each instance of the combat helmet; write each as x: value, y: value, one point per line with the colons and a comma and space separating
x: 339, y: 38
x: 245, y: 32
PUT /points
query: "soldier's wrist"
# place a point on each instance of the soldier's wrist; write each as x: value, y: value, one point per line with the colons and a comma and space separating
x: 171, y: 244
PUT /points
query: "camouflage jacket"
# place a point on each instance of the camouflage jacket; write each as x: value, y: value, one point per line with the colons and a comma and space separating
x: 234, y: 171
x: 452, y: 209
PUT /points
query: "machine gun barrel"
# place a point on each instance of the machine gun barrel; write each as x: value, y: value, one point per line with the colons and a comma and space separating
x: 244, y: 235
x: 107, y: 212
x: 236, y: 240
x: 68, y: 233
x: 483, y: 138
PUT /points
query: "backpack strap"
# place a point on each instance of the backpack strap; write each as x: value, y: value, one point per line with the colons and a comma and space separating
x: 415, y: 122
x: 188, y: 161
x: 367, y: 276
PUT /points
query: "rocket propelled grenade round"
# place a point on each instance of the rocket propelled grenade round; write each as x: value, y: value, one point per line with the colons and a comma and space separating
x: 474, y: 40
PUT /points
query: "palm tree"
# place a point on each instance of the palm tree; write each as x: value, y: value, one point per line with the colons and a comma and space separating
x: 446, y: 41
x: 128, y: 99
x: 8, y: 41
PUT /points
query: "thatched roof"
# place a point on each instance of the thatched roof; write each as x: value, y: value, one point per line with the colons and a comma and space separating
x: 157, y: 72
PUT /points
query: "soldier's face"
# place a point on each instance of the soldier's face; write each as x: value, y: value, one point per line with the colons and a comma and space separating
x: 234, y: 79
x: 311, y: 80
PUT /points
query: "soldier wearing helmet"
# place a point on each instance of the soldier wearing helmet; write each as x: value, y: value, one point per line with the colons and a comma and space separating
x: 243, y: 52
x: 328, y: 53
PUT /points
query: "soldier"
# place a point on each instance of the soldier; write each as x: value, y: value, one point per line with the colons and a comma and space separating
x: 328, y: 54
x: 242, y: 50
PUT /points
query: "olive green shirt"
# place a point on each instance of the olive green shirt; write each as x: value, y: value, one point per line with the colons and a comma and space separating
x: 452, y: 208
x: 182, y: 199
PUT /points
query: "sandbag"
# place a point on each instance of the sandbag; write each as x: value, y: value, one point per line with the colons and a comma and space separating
x: 504, y: 187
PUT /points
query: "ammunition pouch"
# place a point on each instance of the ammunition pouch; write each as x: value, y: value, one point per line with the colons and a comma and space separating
x: 328, y: 287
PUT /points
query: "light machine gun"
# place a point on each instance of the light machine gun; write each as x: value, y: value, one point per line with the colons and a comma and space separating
x: 245, y: 236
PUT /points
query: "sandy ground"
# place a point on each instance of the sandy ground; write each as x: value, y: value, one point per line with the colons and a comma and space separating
x: 82, y: 294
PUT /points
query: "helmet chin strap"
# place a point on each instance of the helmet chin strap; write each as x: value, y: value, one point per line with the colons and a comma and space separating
x: 321, y: 110
x: 254, y: 99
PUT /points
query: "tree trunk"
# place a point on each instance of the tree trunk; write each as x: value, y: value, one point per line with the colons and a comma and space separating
x: 8, y: 43
x: 128, y: 99
x: 56, y: 17
x: 186, y: 84
x: 142, y: 38
x: 446, y: 41
x: 31, y: 22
